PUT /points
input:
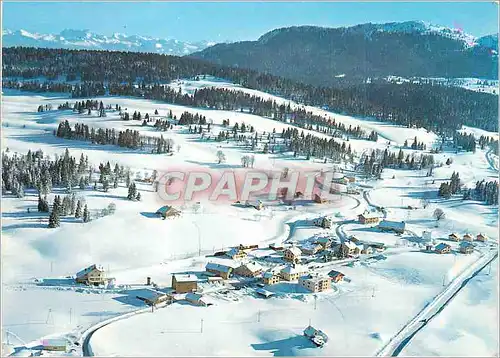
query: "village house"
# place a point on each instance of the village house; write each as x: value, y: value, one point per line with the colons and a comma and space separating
x: 317, y: 336
x: 293, y: 272
x: 336, y: 276
x: 236, y: 253
x: 198, y: 300
x: 182, y: 283
x: 466, y: 247
x: 292, y: 254
x: 152, y: 297
x: 350, y: 248
x: 324, y: 241
x: 350, y: 179
x: 167, y: 211
x: 250, y: 269
x: 481, y: 237
x: 368, y: 218
x: 315, y: 283
x: 271, y: 277
x: 396, y: 226
x: 468, y: 237
x: 264, y: 293
x: 318, y: 199
x: 223, y: 271
x: 324, y: 222
x: 443, y: 248
x: 92, y: 275
x: 367, y: 249
x: 311, y: 249
x: 454, y: 237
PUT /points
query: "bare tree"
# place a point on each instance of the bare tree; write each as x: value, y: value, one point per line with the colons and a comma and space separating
x: 221, y: 158
x: 245, y: 161
x: 439, y: 214
x: 425, y: 203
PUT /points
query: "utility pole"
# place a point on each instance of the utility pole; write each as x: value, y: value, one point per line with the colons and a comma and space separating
x: 70, y: 314
x: 258, y: 319
x: 444, y: 277
x: 489, y: 268
x: 201, y: 328
x: 373, y: 292
x: 315, y: 300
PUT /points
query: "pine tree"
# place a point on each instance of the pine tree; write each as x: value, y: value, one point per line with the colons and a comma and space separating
x: 86, y: 214
x: 132, y: 192
x: 78, y: 210
x: 138, y: 197
x: 54, y: 220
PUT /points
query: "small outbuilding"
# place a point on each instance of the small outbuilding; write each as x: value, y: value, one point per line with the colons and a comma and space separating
x: 466, y: 247
x: 443, y: 248
x: 396, y: 226
x: 198, y: 300
x: 481, y: 237
x: 153, y: 297
x: 454, y: 237
x: 167, y: 211
x: 183, y: 283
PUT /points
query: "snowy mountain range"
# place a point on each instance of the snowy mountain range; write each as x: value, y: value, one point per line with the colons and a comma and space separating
x: 84, y: 39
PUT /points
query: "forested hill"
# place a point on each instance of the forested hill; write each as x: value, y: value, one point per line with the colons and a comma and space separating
x: 319, y: 56
x: 436, y: 108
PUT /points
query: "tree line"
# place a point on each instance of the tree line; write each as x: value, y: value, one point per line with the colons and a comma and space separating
x: 435, y: 107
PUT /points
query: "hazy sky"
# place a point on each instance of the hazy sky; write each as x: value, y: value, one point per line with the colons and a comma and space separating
x: 220, y: 21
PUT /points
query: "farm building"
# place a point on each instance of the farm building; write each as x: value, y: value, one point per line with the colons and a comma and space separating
x: 367, y: 249
x: 481, y: 237
x: 271, y: 277
x: 396, y: 226
x: 292, y: 254
x: 92, y: 275
x: 315, y: 283
x: 198, y: 300
x: 276, y: 247
x: 317, y: 336
x: 250, y: 269
x: 55, y: 344
x: 369, y: 218
x: 167, y: 211
x: 468, y: 237
x: 293, y: 272
x: 318, y: 199
x: 350, y: 179
x: 184, y: 283
x: 454, y: 237
x: 443, y: 248
x: 236, y: 253
x: 324, y: 222
x: 264, y: 293
x: 223, y: 271
x: 350, y: 248
x: 311, y: 249
x: 324, y: 241
x: 466, y: 247
x: 336, y: 276
x: 152, y: 297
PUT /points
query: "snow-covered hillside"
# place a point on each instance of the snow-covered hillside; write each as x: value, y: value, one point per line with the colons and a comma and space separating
x: 86, y: 40
x: 382, y: 291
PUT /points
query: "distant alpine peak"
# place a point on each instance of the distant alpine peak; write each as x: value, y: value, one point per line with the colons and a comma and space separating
x: 87, y: 40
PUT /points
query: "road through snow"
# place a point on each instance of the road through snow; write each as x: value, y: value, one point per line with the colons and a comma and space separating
x: 404, y: 336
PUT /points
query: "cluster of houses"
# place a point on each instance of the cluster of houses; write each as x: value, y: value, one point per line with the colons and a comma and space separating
x: 373, y: 217
x: 465, y: 246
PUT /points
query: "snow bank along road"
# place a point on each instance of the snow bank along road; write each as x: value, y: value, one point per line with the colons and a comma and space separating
x: 404, y: 336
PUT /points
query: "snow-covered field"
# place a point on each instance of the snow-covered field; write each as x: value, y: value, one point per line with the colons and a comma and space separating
x: 360, y: 314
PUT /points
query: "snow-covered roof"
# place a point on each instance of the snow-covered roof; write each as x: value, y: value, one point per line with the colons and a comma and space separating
x: 185, y: 277
x: 350, y: 245
x: 310, y: 331
x: 89, y: 269
x: 253, y: 266
x: 323, y: 240
x: 54, y: 342
x: 290, y: 269
x: 442, y: 246
x: 454, y: 234
x: 193, y: 296
x: 370, y: 215
x: 314, y: 278
x: 386, y: 224
x: 149, y: 294
x: 465, y: 244
x: 263, y: 292
x: 218, y: 267
x: 334, y: 273
x: 294, y: 250
x: 310, y: 246
x: 481, y: 235
x: 235, y: 251
x: 468, y: 235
